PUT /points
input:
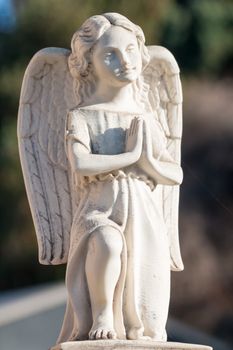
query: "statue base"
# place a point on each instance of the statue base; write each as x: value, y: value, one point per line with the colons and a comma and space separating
x: 127, y: 344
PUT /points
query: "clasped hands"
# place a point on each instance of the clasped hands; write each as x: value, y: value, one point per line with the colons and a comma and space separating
x: 138, y: 141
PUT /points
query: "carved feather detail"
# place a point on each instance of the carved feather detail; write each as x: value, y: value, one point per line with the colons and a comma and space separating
x: 165, y: 97
x: 44, y: 104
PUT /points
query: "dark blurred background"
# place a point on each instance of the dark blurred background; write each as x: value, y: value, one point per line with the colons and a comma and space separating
x: 200, y: 35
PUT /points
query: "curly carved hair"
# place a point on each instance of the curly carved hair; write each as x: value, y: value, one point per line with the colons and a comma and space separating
x: 82, y: 44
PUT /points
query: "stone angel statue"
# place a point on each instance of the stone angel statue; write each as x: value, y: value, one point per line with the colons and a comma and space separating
x: 99, y: 137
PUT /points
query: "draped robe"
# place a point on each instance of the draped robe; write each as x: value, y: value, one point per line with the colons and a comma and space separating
x: 122, y: 199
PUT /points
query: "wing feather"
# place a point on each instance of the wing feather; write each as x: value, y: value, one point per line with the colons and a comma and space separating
x: 165, y: 97
x: 44, y: 104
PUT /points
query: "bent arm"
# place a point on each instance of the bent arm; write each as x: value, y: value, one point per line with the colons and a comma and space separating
x: 163, y: 172
x: 158, y: 163
x: 88, y: 164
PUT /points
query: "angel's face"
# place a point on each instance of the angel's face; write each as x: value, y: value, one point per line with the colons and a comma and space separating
x: 116, y: 57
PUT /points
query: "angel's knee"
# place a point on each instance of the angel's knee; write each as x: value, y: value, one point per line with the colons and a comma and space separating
x: 105, y: 240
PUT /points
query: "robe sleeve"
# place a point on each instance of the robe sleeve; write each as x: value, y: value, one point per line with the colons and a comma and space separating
x: 77, y: 132
x: 77, y: 136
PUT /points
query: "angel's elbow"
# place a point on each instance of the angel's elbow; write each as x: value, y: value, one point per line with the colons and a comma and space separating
x: 175, y: 177
x: 80, y: 166
x: 179, y: 176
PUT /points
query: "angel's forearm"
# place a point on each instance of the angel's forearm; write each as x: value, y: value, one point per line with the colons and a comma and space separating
x: 165, y: 173
x: 94, y: 164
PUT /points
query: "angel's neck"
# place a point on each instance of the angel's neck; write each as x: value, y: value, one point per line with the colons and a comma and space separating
x: 117, y: 96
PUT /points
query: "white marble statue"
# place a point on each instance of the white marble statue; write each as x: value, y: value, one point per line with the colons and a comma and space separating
x: 99, y: 137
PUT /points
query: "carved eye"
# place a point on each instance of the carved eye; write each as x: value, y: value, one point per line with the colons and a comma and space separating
x: 130, y: 48
x: 108, y: 55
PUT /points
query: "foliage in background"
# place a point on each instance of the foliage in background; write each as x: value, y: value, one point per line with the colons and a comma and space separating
x: 199, y: 33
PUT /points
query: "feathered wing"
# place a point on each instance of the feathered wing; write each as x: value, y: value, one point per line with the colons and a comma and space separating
x: 165, y: 99
x: 46, y: 97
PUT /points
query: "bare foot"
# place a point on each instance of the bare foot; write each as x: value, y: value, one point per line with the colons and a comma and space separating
x: 102, y: 333
x: 135, y: 333
x: 160, y: 338
x: 102, y: 327
x: 144, y: 337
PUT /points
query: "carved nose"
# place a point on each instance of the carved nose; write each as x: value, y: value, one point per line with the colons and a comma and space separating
x: 125, y: 60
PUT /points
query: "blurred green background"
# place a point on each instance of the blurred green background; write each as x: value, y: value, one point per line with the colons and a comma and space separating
x: 200, y: 35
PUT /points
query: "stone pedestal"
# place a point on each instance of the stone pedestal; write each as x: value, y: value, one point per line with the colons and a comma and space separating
x: 127, y: 344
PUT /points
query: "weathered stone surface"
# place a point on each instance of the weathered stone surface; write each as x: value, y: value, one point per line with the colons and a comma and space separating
x: 99, y: 128
x: 127, y: 344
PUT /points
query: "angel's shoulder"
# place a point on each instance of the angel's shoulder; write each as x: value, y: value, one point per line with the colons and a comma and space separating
x: 76, y: 118
x: 76, y: 114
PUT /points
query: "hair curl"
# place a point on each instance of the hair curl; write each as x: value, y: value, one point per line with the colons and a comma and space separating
x: 82, y: 44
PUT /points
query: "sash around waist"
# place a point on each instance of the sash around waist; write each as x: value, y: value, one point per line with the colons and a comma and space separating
x: 83, y: 181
